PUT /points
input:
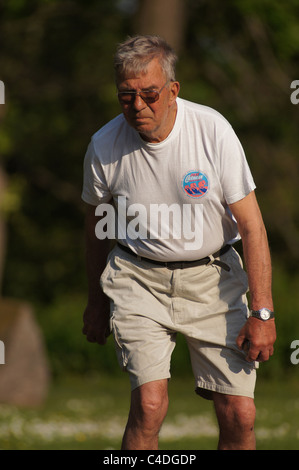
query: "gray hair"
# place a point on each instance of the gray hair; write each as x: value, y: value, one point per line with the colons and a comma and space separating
x: 136, y: 53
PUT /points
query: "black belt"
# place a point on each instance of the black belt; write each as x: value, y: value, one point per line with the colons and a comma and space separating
x: 184, y: 264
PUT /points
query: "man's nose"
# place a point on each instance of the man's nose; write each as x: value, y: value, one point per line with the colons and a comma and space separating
x: 139, y: 103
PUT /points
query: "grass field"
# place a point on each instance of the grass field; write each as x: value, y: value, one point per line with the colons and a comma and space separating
x: 90, y: 413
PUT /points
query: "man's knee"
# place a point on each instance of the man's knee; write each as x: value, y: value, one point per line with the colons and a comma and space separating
x: 150, y: 403
x: 235, y: 412
x: 154, y: 406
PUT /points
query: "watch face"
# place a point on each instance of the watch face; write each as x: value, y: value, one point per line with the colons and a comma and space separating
x: 265, y: 315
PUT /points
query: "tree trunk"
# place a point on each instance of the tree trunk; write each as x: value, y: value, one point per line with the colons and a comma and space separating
x: 166, y: 18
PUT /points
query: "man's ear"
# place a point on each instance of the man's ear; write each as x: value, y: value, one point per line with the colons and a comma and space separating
x: 174, y: 90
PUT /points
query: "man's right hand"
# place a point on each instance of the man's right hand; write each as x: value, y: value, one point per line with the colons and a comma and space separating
x: 96, y: 315
x: 96, y: 325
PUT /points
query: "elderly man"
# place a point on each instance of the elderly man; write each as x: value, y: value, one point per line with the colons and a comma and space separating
x: 183, y: 193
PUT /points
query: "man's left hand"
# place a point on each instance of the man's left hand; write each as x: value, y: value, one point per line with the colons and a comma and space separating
x: 257, y: 338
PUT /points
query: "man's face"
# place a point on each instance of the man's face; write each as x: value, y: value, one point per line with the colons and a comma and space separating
x: 153, y: 121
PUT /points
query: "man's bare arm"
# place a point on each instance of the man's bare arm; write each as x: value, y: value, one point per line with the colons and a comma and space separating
x: 96, y: 314
x: 261, y: 335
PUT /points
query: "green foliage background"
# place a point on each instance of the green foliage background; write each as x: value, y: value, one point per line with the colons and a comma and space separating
x: 56, y: 63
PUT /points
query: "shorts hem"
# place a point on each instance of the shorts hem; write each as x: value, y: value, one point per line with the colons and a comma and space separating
x: 205, y: 390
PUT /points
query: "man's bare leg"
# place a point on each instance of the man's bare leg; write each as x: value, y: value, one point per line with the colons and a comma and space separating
x: 236, y: 416
x: 149, y: 404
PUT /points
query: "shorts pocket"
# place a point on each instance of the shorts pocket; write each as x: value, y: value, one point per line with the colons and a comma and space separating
x: 120, y: 351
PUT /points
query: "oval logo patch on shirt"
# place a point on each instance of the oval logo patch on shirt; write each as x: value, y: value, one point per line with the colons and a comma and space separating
x: 195, y: 184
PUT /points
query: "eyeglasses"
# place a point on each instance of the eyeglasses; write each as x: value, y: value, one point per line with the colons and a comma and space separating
x: 151, y: 96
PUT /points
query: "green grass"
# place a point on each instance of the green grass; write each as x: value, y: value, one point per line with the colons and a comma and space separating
x: 90, y: 413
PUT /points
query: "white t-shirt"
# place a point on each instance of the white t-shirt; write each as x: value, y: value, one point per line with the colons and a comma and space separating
x: 171, y: 198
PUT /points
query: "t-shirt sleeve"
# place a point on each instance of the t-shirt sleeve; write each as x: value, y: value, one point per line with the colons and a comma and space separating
x: 235, y: 175
x: 95, y: 190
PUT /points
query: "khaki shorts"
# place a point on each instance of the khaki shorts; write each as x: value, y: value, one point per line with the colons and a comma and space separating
x: 207, y: 304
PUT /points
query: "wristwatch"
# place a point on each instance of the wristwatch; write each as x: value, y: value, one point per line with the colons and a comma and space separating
x: 263, y: 314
